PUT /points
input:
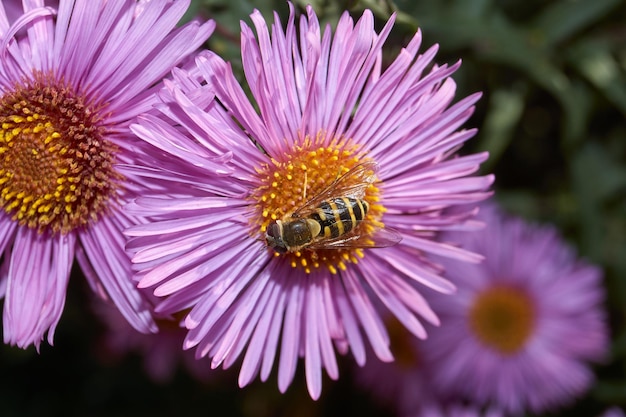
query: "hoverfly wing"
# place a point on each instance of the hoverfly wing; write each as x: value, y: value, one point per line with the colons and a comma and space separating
x: 385, y: 237
x: 351, y: 184
x: 381, y: 238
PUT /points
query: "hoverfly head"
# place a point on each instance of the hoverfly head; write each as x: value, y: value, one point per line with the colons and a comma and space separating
x: 274, y: 237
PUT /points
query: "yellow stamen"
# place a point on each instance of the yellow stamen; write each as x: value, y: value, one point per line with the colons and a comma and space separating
x: 299, y: 175
x: 50, y: 136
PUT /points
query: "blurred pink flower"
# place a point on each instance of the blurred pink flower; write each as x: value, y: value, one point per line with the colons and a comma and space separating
x: 455, y: 411
x: 524, y: 326
x: 73, y: 75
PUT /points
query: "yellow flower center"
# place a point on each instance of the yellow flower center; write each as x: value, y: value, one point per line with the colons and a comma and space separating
x: 503, y: 318
x: 56, y: 170
x: 289, y: 183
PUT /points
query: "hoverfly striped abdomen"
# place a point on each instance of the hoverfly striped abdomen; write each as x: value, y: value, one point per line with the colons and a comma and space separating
x: 338, y: 216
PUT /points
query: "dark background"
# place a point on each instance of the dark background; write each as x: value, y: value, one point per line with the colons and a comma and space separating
x: 552, y: 116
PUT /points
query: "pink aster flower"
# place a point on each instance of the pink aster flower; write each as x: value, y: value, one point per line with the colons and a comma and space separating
x: 375, y: 147
x: 72, y: 77
x: 524, y: 326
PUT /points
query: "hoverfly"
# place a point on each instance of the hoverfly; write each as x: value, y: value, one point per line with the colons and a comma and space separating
x: 330, y: 219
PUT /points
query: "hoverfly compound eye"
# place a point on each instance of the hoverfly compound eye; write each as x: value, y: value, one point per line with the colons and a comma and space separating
x: 273, y: 231
x: 273, y: 237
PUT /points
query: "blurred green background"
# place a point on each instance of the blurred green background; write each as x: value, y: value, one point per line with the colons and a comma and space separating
x: 553, y: 74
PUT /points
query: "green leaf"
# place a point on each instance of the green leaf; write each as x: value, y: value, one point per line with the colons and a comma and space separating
x: 597, y: 178
x: 595, y: 61
x: 562, y: 19
x: 505, y: 111
x: 576, y: 101
x: 597, y: 175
